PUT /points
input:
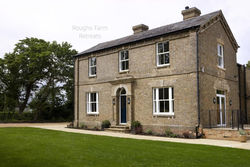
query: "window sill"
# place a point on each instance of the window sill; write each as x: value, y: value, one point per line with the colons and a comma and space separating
x: 92, y: 76
x: 93, y: 113
x: 164, y: 115
x: 124, y: 71
x: 221, y: 68
x: 162, y: 66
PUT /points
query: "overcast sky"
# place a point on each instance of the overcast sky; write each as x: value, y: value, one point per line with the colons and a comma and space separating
x: 84, y: 23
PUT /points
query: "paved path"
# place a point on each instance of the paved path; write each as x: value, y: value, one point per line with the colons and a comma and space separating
x: 62, y: 127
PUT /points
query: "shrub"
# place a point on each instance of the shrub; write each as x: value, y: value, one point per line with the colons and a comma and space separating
x: 83, y: 126
x: 135, y: 124
x: 16, y: 117
x: 242, y: 132
x: 105, y: 124
x: 149, y: 132
x: 136, y: 127
x: 169, y: 133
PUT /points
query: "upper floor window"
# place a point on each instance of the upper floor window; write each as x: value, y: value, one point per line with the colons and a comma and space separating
x: 92, y: 66
x: 220, y: 54
x: 163, y: 101
x: 123, y: 61
x: 163, y: 54
x: 92, y: 103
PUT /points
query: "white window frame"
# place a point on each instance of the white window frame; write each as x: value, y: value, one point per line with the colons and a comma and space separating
x: 220, y: 55
x: 158, y: 54
x: 156, y: 102
x: 120, y: 61
x: 89, y: 102
x: 92, y: 66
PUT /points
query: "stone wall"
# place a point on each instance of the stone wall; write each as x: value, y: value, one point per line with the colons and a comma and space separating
x: 144, y: 75
x: 212, y: 77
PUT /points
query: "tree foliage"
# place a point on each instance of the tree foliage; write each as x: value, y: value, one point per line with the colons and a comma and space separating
x: 37, y: 73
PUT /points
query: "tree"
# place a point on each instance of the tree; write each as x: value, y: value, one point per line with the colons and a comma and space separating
x: 57, y: 91
x: 34, y: 67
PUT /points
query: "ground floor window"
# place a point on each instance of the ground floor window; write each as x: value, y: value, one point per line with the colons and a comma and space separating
x: 92, y: 103
x: 163, y: 101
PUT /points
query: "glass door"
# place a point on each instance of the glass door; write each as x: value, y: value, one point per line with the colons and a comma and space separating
x: 221, y: 108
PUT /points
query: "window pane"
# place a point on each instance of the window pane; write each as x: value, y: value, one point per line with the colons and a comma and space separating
x: 93, y: 107
x: 166, y: 47
x: 93, y: 97
x: 93, y: 71
x: 166, y: 105
x: 93, y: 61
x: 126, y: 54
x: 166, y: 95
x: 160, y: 48
x: 123, y: 65
x: 123, y: 92
x: 161, y: 93
x: 173, y: 105
x: 127, y: 65
x: 161, y: 106
x: 172, y: 93
x: 166, y: 58
x: 90, y: 61
x: 161, y: 59
x: 220, y: 61
x: 122, y: 55
x: 220, y: 92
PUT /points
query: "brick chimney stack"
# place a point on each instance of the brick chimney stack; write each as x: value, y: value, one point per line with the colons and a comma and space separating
x: 190, y: 12
x: 140, y: 28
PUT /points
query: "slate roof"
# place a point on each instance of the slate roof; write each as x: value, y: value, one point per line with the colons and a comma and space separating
x: 183, y: 25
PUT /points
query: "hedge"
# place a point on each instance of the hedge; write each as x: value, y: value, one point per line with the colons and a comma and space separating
x: 11, y: 116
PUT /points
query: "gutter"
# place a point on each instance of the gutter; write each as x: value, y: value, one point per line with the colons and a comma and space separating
x: 74, y: 89
x: 198, y: 77
x: 77, y: 92
x: 239, y: 84
x: 198, y: 84
x: 245, y: 95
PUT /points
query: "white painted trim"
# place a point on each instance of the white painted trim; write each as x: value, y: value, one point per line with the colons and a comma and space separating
x: 220, y: 108
x: 120, y: 61
x: 92, y: 75
x: 156, y: 110
x: 157, y: 55
x: 220, y: 55
x: 88, y: 102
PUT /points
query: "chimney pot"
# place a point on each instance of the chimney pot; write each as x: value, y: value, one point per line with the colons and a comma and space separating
x: 139, y: 28
x: 190, y: 12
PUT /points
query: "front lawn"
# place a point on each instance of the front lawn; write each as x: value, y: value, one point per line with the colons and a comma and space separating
x: 33, y: 147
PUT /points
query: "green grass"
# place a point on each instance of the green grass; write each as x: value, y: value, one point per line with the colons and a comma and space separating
x: 24, y: 147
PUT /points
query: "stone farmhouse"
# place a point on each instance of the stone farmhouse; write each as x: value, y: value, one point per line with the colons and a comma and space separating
x: 166, y: 78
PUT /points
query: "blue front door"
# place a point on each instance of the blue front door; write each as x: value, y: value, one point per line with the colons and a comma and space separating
x: 123, y: 109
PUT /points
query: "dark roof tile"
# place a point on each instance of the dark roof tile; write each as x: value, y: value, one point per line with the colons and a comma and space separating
x: 186, y: 24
